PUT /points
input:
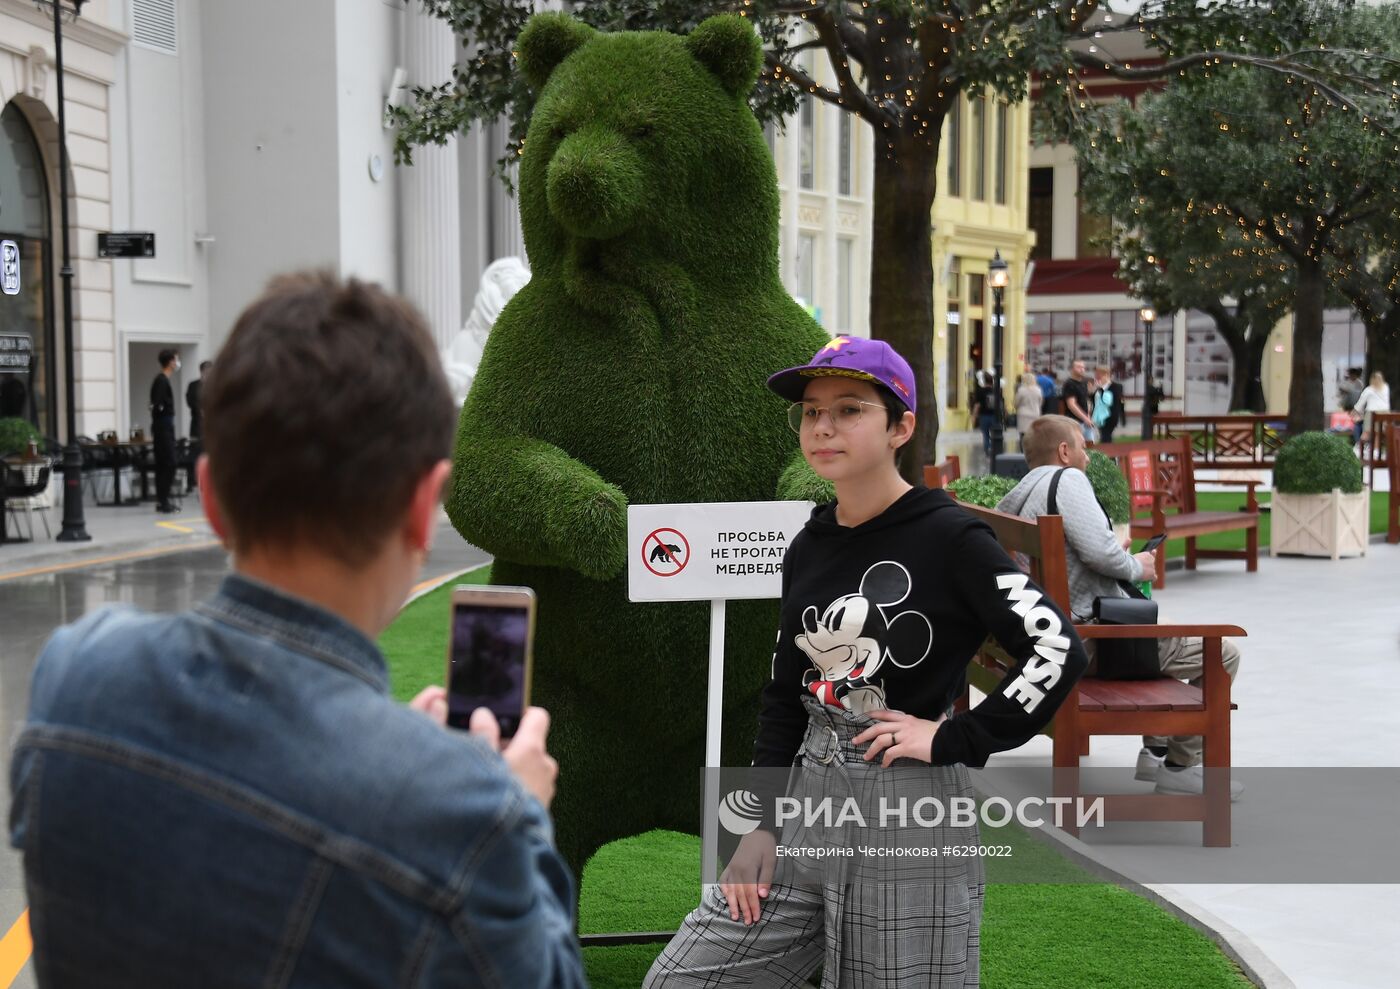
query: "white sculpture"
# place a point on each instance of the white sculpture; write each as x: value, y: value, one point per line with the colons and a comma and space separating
x: 501, y: 280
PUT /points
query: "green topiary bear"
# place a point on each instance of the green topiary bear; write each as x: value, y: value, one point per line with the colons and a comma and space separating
x: 630, y: 370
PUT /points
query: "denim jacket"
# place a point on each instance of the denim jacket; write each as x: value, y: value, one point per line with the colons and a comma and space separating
x: 229, y: 797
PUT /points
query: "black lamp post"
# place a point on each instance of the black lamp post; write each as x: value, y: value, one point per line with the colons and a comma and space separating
x: 998, y: 275
x: 1149, y: 398
x: 74, y: 525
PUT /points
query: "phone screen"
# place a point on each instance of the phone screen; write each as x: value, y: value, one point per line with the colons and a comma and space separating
x: 1153, y: 543
x: 487, y: 664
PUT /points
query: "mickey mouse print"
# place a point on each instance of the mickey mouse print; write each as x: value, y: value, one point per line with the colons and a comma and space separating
x: 856, y: 635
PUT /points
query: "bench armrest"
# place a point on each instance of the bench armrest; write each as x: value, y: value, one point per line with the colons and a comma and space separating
x: 1159, y: 631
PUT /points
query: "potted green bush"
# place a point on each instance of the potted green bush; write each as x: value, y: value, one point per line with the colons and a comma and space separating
x: 1319, y: 506
x: 1111, y: 489
x: 15, y: 434
x: 985, y: 490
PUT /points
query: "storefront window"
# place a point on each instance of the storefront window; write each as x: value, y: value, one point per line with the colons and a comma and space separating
x: 1114, y: 338
x: 26, y: 320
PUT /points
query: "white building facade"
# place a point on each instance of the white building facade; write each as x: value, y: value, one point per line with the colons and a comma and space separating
x: 249, y: 137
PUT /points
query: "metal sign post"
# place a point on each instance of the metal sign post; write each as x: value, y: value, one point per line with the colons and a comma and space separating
x: 714, y: 552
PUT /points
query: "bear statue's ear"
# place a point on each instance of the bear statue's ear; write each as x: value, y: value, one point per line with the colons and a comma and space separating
x: 727, y: 45
x: 547, y: 40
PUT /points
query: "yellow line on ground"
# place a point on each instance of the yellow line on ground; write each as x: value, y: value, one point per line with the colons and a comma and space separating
x: 15, y: 949
x: 176, y: 526
x: 425, y: 586
x: 118, y: 558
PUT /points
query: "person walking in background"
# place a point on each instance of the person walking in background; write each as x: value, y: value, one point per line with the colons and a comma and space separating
x: 1376, y: 398
x: 1075, y: 395
x: 1108, y: 404
x: 1348, y: 394
x: 1029, y: 401
x: 984, y: 409
x: 163, y: 428
x: 194, y: 398
x: 1048, y: 389
x: 1152, y: 402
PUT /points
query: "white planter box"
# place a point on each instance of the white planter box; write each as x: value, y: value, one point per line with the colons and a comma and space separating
x: 1332, y: 525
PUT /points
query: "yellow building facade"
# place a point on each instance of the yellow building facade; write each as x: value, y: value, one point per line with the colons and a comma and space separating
x: 980, y: 209
x: 825, y: 166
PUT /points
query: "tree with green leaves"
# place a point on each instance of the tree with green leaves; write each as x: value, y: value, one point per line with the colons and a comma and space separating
x: 1368, y: 277
x: 1177, y: 257
x: 1231, y: 174
x: 899, y: 66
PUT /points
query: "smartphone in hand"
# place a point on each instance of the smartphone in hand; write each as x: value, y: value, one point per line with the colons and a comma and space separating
x: 489, y: 654
x: 1153, y: 543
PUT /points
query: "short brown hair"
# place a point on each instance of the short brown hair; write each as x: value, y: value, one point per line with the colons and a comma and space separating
x: 325, y: 408
x: 1044, y: 437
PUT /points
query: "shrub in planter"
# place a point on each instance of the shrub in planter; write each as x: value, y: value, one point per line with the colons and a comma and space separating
x: 1110, y: 487
x: 1316, y: 463
x: 1319, y: 506
x: 15, y: 434
x: 985, y: 490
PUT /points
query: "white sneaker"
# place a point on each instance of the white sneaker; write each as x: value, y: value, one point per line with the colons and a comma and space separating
x: 1189, y: 781
x: 1147, y: 765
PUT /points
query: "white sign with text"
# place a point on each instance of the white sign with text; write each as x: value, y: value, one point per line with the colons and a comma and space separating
x: 719, y: 551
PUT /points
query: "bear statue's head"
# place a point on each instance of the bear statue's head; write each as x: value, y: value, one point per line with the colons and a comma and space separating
x: 642, y: 154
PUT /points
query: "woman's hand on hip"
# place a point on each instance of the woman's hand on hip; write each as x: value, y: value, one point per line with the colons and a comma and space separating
x: 898, y: 736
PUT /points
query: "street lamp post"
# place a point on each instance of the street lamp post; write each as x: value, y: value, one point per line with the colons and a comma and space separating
x: 74, y: 525
x: 1149, y: 316
x: 998, y: 276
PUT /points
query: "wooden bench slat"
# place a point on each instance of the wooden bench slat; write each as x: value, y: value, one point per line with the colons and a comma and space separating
x: 1143, y: 695
x: 1200, y: 522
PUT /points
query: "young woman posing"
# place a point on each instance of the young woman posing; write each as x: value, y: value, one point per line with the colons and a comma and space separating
x: 887, y: 593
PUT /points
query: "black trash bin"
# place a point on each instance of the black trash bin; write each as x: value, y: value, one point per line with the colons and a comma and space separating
x: 1011, y: 465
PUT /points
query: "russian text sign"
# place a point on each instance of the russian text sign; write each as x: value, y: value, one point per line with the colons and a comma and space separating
x: 710, y: 551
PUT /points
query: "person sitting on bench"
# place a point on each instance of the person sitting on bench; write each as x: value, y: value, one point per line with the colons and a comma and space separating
x: 1096, y: 562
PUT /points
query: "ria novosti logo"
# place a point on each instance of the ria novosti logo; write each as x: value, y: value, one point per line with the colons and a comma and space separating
x: 740, y: 811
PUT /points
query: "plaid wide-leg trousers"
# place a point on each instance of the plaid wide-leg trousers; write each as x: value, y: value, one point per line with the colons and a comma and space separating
x: 904, y: 927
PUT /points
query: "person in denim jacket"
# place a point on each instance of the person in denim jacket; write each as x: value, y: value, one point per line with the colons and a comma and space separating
x: 229, y: 796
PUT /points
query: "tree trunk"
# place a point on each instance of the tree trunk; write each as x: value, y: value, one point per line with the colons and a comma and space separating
x: 901, y: 279
x: 1247, y: 357
x: 1305, y: 391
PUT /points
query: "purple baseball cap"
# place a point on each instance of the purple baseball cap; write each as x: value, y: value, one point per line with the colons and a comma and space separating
x: 851, y: 357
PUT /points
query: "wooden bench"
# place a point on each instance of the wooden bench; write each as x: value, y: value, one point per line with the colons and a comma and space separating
x: 1121, y: 707
x: 1385, y: 455
x: 1169, y: 494
x: 944, y: 474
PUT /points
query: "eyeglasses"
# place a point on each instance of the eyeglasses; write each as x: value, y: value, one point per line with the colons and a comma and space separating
x: 844, y: 414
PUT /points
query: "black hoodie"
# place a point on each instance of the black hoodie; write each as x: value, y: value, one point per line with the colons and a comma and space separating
x: 888, y: 613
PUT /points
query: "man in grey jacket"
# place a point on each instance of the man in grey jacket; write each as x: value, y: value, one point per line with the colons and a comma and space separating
x: 1096, y: 562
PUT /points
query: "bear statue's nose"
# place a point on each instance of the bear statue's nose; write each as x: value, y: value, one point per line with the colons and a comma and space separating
x: 595, y: 184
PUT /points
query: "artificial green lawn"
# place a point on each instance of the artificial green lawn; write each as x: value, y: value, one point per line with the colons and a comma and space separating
x: 1227, y: 501
x: 1070, y: 935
